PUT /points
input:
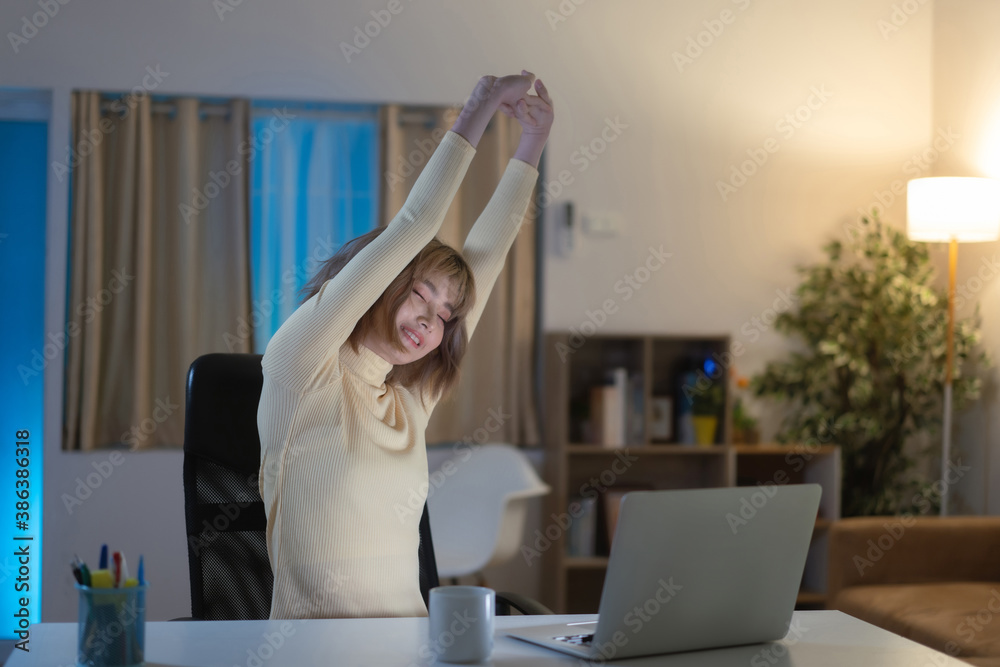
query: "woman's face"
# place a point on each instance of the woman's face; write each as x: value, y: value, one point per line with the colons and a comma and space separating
x: 420, y: 320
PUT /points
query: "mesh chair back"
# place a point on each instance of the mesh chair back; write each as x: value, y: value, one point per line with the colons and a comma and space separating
x: 230, y: 573
x: 227, y: 553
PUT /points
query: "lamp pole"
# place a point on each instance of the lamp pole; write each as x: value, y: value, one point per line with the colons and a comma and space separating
x: 949, y: 361
x: 951, y: 209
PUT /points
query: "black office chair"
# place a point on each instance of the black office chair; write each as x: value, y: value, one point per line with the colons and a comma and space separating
x: 230, y: 573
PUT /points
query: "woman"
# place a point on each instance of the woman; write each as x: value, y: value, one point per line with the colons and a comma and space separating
x: 352, y: 377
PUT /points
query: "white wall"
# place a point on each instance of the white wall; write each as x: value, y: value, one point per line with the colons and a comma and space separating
x: 967, y: 97
x: 605, y: 61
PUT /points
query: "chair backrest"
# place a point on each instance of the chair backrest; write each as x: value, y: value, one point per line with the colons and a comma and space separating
x: 479, y: 506
x: 231, y: 576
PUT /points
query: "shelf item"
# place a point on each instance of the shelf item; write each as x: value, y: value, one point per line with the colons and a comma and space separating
x: 645, y: 455
x: 661, y: 418
x: 581, y: 535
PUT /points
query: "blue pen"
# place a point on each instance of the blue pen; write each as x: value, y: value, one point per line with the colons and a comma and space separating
x: 104, y: 557
x: 140, y: 573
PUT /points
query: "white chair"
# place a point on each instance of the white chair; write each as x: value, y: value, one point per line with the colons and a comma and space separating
x: 478, y: 502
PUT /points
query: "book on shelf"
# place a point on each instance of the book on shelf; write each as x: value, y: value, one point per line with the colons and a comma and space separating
x: 636, y: 413
x: 616, y: 409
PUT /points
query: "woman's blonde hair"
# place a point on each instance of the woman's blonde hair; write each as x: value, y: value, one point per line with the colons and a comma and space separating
x: 437, y: 372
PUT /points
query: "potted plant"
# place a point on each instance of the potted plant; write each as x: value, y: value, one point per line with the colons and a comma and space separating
x: 744, y: 426
x: 869, y: 372
x: 745, y: 429
x: 706, y: 405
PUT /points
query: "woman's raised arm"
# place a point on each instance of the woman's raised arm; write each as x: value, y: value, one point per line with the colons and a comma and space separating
x: 296, y: 355
x: 496, y: 228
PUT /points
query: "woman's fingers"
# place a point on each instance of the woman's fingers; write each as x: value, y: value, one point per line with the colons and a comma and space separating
x: 543, y: 92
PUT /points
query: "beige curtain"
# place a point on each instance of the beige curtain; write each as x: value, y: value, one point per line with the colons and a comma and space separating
x: 495, y: 399
x: 159, y: 268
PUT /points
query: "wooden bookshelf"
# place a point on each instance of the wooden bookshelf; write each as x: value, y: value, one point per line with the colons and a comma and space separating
x: 573, y: 583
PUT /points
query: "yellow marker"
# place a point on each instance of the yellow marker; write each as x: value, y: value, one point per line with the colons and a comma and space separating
x: 131, y: 581
x: 101, y: 579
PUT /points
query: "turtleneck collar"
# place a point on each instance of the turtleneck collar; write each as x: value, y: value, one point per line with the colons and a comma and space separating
x: 364, y: 363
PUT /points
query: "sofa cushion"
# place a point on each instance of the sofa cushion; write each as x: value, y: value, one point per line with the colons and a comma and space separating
x: 958, y: 618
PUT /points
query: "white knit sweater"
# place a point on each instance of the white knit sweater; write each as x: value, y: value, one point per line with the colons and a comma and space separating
x: 342, y: 453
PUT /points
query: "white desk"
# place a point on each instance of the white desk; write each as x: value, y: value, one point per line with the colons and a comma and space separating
x: 817, y: 639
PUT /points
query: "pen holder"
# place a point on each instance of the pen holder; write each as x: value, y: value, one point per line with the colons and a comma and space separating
x: 111, y: 627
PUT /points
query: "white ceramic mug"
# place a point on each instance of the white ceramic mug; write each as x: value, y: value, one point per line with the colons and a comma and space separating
x: 461, y: 623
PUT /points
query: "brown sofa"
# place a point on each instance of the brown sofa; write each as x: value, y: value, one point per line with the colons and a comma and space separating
x: 933, y: 580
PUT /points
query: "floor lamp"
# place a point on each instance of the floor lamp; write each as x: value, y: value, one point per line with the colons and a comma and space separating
x: 952, y: 209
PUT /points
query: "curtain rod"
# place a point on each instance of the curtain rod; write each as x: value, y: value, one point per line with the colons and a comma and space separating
x: 257, y: 111
x: 168, y: 107
x: 429, y: 117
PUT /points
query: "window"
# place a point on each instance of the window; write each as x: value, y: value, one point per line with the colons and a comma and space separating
x: 314, y: 185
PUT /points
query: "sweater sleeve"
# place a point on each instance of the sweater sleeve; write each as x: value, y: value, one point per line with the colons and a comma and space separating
x: 490, y: 238
x: 305, y: 346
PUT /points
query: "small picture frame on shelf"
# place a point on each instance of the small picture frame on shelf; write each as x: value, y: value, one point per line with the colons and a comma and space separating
x: 661, y: 422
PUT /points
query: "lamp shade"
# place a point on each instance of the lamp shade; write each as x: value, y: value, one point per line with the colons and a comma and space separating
x: 946, y: 208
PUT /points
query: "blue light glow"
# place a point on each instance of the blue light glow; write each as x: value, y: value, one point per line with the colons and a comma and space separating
x: 23, y: 153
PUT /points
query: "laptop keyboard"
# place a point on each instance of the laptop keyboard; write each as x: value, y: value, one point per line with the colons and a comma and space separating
x: 577, y: 640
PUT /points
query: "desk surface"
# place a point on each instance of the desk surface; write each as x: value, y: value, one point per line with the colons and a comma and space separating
x: 816, y: 639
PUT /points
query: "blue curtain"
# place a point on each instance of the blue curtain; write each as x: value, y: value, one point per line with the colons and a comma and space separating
x: 314, y: 186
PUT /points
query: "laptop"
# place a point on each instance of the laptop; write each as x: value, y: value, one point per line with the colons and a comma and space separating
x: 695, y: 569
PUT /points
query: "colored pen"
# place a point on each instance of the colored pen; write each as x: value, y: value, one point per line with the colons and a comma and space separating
x: 116, y: 575
x: 141, y: 573
x: 103, y: 564
x: 85, y: 574
x: 123, y: 569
